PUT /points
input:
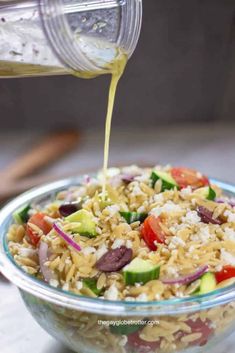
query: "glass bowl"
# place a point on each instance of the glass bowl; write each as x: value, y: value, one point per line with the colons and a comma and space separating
x: 89, y: 325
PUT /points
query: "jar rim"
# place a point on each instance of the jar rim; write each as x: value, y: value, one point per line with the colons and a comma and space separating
x: 71, y: 52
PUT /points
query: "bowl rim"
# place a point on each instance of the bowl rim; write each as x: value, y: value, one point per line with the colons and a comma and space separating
x: 42, y: 290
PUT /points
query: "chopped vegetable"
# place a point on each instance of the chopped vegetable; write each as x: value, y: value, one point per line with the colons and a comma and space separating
x: 188, y: 278
x: 128, y: 178
x: 167, y: 181
x: 114, y: 260
x: 123, y: 329
x: 33, y: 235
x: 66, y: 237
x: 47, y: 273
x: 206, y: 192
x: 38, y: 219
x: 21, y: 215
x: 189, y: 177
x: 152, y: 232
x: 208, y: 283
x: 87, y: 226
x: 140, y: 271
x: 91, y: 283
x: 226, y: 273
x: 207, y: 216
x: 230, y: 202
x: 132, y: 217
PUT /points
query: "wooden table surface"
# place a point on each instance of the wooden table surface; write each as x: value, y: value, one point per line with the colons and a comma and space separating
x: 211, y: 149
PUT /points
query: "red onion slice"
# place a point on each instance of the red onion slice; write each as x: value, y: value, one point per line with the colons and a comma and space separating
x: 117, y: 180
x: 66, y: 237
x: 231, y: 202
x: 47, y: 273
x: 128, y: 178
x: 188, y: 278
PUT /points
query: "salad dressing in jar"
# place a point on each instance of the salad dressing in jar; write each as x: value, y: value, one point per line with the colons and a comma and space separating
x: 80, y: 37
x: 85, y: 38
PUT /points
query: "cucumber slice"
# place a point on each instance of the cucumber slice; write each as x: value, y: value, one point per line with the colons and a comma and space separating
x: 87, y: 225
x: 22, y: 214
x: 91, y: 283
x: 124, y: 329
x: 208, y: 283
x: 206, y: 192
x: 140, y: 271
x: 168, y: 182
x: 132, y: 217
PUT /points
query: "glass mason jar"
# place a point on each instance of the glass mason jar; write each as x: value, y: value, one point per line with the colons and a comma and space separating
x: 45, y: 37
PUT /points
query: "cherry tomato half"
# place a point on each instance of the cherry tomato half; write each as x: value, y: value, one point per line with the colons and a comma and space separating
x: 189, y: 177
x: 226, y: 273
x: 152, y: 232
x: 141, y: 346
x: 39, y: 220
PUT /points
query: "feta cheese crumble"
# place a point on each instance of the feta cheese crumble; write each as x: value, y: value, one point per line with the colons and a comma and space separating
x: 111, y: 293
x: 136, y: 191
x: 65, y: 287
x: 129, y: 244
x: 175, y: 242
x: 54, y: 283
x: 113, y: 210
x: 142, y: 297
x: 79, y: 285
x: 89, y: 250
x: 167, y: 208
x: 101, y: 251
x: 230, y: 215
x: 158, y: 198
x: 27, y: 252
x: 191, y: 217
x: 229, y: 234
x: 172, y: 271
x: 186, y: 191
x: 118, y: 243
x: 227, y: 258
x: 203, y: 235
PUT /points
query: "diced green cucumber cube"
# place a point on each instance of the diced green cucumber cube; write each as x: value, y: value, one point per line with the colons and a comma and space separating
x: 123, y: 329
x: 140, y: 271
x: 132, y: 217
x: 22, y: 214
x: 91, y: 283
x: 168, y: 181
x: 87, y: 226
x: 206, y: 192
x: 208, y: 283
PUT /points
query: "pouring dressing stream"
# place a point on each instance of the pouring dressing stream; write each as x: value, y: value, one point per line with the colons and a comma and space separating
x: 117, y: 71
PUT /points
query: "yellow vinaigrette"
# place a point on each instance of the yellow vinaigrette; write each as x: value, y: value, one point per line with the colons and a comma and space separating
x: 116, y: 69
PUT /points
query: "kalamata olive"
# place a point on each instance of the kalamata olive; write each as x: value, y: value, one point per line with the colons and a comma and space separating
x: 114, y: 260
x: 207, y: 216
x: 68, y: 208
